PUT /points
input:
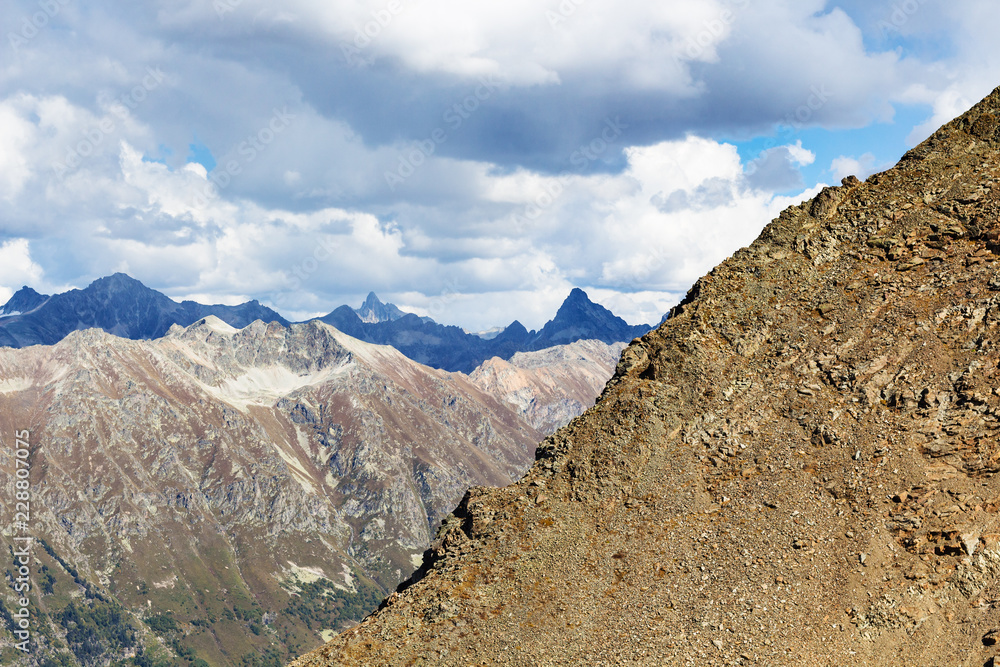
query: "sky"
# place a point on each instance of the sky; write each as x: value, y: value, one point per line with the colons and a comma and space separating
x: 468, y: 161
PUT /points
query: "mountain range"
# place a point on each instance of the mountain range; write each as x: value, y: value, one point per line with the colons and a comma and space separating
x: 237, y: 496
x: 124, y: 307
x: 799, y: 467
x: 118, y: 304
x: 451, y: 348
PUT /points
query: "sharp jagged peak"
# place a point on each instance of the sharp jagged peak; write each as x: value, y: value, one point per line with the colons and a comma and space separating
x: 374, y: 311
x: 24, y: 301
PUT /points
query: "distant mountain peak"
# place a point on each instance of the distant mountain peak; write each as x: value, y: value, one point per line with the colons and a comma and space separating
x: 24, y: 300
x: 116, y: 279
x: 118, y: 304
x: 579, y: 318
x: 373, y: 311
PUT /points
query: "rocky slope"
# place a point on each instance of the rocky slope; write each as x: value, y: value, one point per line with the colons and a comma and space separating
x: 797, y: 468
x: 239, y: 491
x: 117, y: 304
x: 550, y: 387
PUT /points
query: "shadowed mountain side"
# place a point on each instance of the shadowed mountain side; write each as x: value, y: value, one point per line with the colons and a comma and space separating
x: 119, y: 305
x: 453, y: 349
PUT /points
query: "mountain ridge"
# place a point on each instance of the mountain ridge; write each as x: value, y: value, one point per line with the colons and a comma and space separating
x: 125, y: 307
x: 452, y: 348
x: 117, y: 304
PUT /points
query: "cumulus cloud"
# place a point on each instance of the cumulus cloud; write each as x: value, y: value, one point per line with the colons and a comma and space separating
x: 667, y: 249
x: 778, y: 169
x: 17, y: 268
x: 845, y: 166
x: 15, y: 136
x: 453, y: 157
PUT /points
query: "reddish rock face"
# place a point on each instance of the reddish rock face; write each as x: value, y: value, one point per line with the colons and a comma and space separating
x: 798, y: 468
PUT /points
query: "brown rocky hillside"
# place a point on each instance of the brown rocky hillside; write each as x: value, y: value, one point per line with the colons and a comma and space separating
x: 798, y: 468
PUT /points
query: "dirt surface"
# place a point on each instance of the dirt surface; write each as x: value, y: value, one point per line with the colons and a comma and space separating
x: 798, y: 468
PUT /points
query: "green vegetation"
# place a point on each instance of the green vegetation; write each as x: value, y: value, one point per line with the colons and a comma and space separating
x: 321, y: 605
x: 7, y: 618
x: 48, y: 581
x: 96, y: 628
x: 161, y: 624
x: 270, y: 658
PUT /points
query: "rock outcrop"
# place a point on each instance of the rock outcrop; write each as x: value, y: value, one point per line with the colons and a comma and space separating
x: 550, y: 387
x: 373, y: 311
x: 799, y: 467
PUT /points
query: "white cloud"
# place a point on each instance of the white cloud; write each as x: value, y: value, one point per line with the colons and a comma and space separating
x: 778, y: 168
x: 652, y: 247
x: 801, y: 156
x: 845, y: 166
x: 309, y: 221
x: 17, y: 268
x: 16, y: 135
x: 521, y: 41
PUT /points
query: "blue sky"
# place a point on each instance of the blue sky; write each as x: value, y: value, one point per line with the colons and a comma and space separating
x: 468, y: 161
